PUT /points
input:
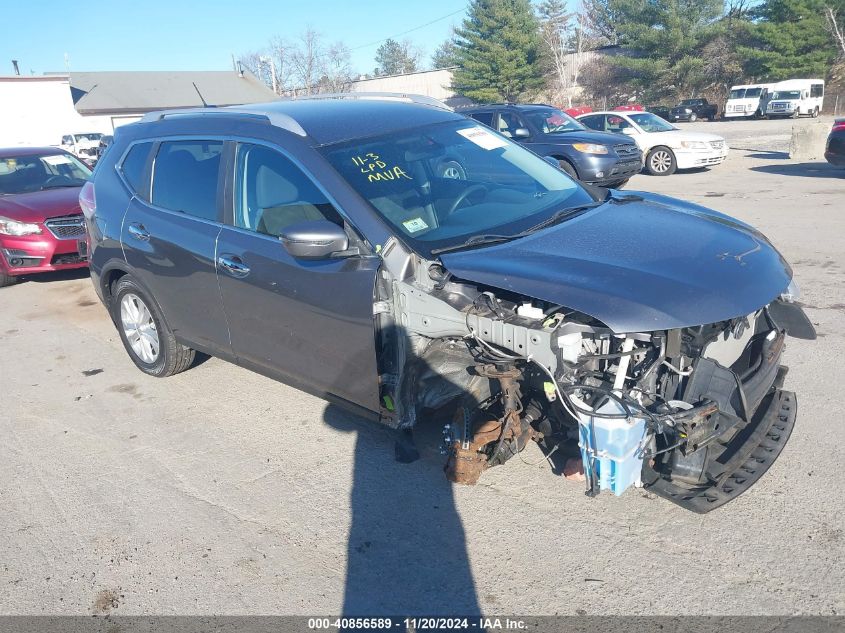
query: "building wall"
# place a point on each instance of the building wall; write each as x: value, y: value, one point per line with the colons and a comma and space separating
x: 433, y: 83
x: 39, y: 111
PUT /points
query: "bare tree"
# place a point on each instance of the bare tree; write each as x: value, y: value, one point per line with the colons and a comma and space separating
x: 336, y: 69
x: 554, y: 26
x: 837, y: 29
x: 281, y: 52
x: 306, y: 61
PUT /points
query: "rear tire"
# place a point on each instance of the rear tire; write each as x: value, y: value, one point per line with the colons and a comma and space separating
x: 148, y: 339
x: 7, y: 280
x: 661, y: 162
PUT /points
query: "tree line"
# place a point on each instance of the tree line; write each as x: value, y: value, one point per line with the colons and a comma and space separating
x: 597, y: 51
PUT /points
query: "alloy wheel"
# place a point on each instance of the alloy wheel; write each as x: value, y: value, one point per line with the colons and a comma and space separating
x: 661, y: 161
x: 139, y: 327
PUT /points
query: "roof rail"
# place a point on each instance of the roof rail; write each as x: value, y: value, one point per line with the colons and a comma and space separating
x: 276, y: 119
x: 386, y: 96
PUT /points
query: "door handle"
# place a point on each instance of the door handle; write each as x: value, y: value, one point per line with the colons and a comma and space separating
x: 233, y: 265
x: 138, y: 231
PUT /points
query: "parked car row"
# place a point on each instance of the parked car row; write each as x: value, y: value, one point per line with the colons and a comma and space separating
x: 791, y: 98
x: 589, y: 147
x: 665, y: 147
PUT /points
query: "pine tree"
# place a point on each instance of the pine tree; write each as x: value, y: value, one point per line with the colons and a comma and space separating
x: 790, y: 38
x: 394, y: 58
x: 498, y: 51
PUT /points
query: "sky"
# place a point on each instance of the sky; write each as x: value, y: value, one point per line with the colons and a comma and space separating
x: 193, y: 35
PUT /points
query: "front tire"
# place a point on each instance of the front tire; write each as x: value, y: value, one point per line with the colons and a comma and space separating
x: 661, y: 162
x: 816, y: 112
x: 148, y: 339
x: 569, y: 169
x: 693, y: 117
x: 7, y: 280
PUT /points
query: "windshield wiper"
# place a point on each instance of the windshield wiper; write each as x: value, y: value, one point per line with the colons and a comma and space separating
x: 557, y: 216
x: 477, y: 240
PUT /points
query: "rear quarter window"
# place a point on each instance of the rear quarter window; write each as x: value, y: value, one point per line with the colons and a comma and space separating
x: 133, y: 166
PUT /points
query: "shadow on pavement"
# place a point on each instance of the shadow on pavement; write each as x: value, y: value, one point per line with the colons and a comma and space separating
x: 407, y: 548
x: 766, y: 154
x: 807, y: 170
x: 58, y: 275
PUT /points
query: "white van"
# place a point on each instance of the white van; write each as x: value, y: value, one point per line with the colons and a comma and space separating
x: 748, y: 100
x: 796, y: 97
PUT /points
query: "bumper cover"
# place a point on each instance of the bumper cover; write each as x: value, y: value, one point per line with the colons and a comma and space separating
x: 746, y: 458
x: 26, y: 256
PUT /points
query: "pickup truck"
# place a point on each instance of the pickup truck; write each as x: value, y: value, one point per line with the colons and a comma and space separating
x: 692, y: 110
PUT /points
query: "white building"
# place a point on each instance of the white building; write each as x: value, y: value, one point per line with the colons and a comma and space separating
x: 40, y: 110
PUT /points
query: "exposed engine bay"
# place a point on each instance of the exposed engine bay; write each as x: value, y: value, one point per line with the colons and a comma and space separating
x: 694, y: 414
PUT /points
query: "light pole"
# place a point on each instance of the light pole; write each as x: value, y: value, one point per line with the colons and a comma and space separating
x: 269, y: 61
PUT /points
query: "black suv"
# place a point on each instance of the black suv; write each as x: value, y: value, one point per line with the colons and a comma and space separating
x: 608, y: 160
x: 324, y: 242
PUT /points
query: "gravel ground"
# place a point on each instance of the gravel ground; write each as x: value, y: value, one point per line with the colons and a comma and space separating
x: 220, y: 491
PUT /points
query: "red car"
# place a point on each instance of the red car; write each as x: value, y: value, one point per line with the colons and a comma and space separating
x: 40, y: 219
x: 576, y: 111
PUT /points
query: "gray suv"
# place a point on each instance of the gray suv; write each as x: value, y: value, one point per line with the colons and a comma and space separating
x: 320, y: 242
x: 598, y: 158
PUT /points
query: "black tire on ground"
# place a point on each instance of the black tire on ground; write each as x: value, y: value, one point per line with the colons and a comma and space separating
x: 569, y: 169
x: 171, y: 357
x: 7, y: 280
x: 816, y: 112
x: 693, y: 117
x: 661, y: 161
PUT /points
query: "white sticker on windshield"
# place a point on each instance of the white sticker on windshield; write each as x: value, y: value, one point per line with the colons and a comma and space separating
x: 57, y: 159
x: 415, y: 226
x: 483, y: 138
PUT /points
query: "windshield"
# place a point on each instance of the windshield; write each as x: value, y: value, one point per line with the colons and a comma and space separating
x: 788, y: 94
x: 737, y: 93
x: 91, y: 136
x: 753, y: 92
x: 690, y: 102
x: 25, y: 174
x: 651, y: 122
x: 438, y: 185
x: 552, y: 121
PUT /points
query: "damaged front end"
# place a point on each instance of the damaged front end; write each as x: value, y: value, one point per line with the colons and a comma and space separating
x: 695, y: 414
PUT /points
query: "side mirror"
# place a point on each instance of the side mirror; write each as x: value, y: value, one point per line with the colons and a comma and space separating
x: 316, y: 239
x: 521, y: 132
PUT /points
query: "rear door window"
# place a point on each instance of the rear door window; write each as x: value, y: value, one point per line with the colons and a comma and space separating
x: 484, y: 117
x: 185, y: 177
x: 594, y: 122
x: 133, y: 168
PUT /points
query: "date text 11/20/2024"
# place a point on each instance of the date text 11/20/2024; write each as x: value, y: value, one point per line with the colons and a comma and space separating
x: 417, y: 624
